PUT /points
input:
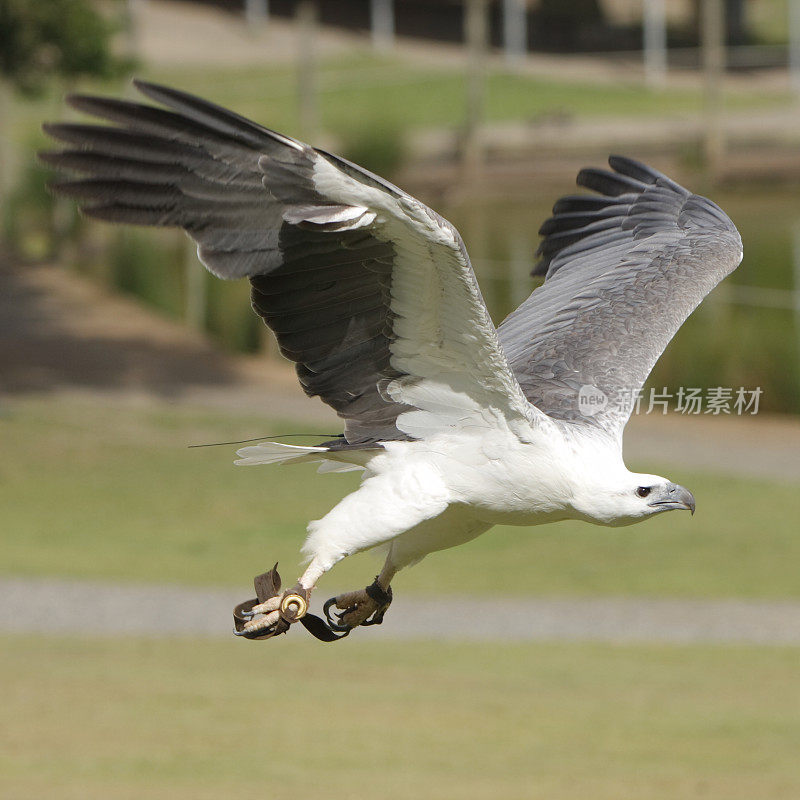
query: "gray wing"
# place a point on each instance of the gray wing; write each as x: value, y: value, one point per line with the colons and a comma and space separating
x: 368, y: 291
x: 623, y: 271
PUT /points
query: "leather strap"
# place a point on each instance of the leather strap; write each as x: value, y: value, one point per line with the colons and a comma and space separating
x: 317, y: 627
x: 383, y: 597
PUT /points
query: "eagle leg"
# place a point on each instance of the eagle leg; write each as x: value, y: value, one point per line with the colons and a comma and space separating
x: 362, y: 607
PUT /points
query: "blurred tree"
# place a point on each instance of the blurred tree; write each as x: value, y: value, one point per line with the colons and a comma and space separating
x: 65, y: 38
x: 44, y: 39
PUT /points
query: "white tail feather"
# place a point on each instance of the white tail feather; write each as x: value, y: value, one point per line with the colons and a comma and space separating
x: 277, y: 453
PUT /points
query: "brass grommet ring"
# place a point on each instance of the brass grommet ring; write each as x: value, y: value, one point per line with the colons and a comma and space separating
x: 294, y: 606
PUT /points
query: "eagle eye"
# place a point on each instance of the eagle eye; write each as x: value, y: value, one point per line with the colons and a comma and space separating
x: 643, y: 491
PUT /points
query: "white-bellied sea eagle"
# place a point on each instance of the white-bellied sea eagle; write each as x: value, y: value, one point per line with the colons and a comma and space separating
x: 457, y: 425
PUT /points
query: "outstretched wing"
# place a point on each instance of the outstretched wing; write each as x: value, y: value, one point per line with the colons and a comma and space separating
x: 623, y: 272
x: 368, y: 291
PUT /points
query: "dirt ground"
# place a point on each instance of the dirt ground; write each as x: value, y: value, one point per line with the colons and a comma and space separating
x: 60, y: 333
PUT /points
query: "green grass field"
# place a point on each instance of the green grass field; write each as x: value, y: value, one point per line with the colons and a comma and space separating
x: 127, y: 719
x: 96, y: 490
x: 363, y: 91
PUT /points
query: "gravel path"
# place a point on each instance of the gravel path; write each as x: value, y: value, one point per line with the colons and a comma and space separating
x: 105, y: 609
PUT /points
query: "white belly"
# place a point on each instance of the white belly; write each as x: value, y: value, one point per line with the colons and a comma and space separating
x: 498, y: 478
x: 435, y: 494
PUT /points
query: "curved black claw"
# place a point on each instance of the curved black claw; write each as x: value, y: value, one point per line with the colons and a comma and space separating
x: 336, y: 624
x: 382, y: 597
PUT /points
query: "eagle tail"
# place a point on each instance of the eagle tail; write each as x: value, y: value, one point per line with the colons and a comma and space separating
x: 278, y: 453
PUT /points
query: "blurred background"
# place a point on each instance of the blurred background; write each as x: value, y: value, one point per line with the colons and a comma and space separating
x: 660, y: 661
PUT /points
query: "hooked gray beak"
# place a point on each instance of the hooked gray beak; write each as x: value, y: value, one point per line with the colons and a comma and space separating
x: 673, y: 497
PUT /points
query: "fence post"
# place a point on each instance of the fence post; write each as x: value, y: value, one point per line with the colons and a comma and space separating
x: 794, y: 44
x: 654, y: 31
x: 256, y: 13
x: 133, y: 25
x: 515, y: 30
x: 713, y: 35
x: 306, y: 67
x: 382, y: 21
x: 476, y: 30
